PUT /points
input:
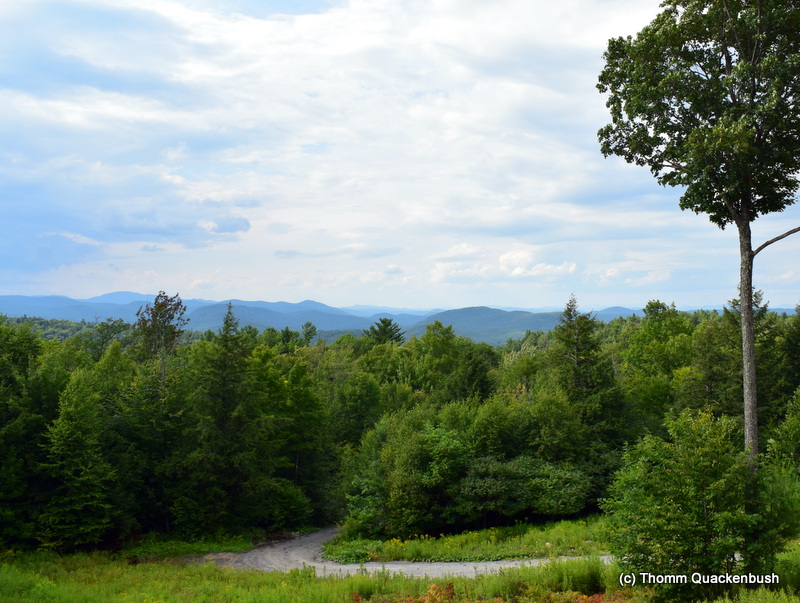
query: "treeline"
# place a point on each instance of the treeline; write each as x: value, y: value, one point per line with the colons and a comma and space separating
x: 119, y: 429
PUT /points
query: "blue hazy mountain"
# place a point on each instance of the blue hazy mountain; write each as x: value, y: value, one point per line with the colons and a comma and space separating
x: 490, y: 325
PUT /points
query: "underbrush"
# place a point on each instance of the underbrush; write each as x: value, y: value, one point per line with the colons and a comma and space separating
x: 157, y: 546
x: 93, y: 577
x: 788, y: 570
x: 153, y: 546
x: 522, y: 541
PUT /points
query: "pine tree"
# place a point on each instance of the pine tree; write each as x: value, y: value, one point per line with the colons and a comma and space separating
x: 79, y: 513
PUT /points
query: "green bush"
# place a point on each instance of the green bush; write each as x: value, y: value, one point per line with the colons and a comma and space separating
x: 521, y: 485
x: 521, y: 541
x: 678, y: 507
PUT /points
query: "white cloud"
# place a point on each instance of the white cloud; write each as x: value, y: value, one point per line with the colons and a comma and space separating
x: 438, y: 151
x: 77, y: 238
x: 459, y: 252
x: 521, y: 262
x: 464, y: 272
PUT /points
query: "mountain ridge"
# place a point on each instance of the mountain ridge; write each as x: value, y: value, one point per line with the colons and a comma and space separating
x: 480, y: 323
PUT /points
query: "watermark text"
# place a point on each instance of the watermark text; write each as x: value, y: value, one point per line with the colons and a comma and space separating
x: 650, y: 579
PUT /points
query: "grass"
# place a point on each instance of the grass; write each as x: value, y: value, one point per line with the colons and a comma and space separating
x: 47, y: 577
x: 140, y: 574
x: 563, y: 538
x: 50, y: 578
x: 157, y: 546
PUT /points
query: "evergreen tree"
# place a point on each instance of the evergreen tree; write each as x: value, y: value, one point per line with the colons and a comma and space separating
x: 578, y: 345
x: 79, y: 512
x: 385, y: 330
x: 233, y: 442
x: 22, y: 427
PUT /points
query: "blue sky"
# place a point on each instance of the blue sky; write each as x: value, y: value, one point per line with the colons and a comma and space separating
x: 431, y: 153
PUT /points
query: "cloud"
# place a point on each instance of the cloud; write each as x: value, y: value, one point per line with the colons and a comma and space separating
x: 521, y: 263
x: 442, y: 151
x: 462, y: 251
x: 289, y: 254
x: 227, y: 224
x: 459, y: 272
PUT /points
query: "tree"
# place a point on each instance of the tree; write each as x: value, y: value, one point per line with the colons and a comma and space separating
x: 707, y: 96
x: 791, y: 349
x: 385, y: 330
x: 234, y: 441
x: 80, y: 509
x: 22, y: 425
x: 309, y: 332
x: 578, y: 345
x: 678, y: 506
x: 523, y: 485
x: 103, y: 333
x: 158, y: 327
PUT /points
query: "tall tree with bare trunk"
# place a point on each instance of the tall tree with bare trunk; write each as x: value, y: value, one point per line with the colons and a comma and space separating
x: 707, y: 97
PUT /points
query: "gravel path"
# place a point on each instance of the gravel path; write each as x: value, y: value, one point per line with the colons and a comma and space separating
x: 306, y: 551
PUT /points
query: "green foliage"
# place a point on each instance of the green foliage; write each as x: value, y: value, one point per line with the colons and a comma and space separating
x: 520, y: 541
x: 662, y: 343
x: 99, y: 336
x: 704, y: 97
x: 713, y: 380
x: 22, y: 425
x: 775, y: 516
x: 238, y: 431
x: 578, y: 345
x: 52, y: 328
x: 19, y: 349
x: 385, y: 330
x: 423, y: 462
x: 159, y: 326
x: 309, y: 332
x: 233, y: 441
x: 79, y: 513
x: 678, y: 506
x: 519, y: 486
x: 102, y: 578
x: 432, y: 469
x: 356, y: 407
x: 784, y: 446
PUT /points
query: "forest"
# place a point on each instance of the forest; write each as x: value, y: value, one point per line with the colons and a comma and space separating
x: 124, y: 429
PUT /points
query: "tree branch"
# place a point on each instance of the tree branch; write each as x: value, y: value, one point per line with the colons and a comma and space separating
x: 776, y: 239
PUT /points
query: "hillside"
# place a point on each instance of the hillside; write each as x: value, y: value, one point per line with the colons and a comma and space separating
x: 483, y: 324
x: 490, y: 325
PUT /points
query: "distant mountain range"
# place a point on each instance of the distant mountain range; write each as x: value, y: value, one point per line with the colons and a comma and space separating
x: 490, y: 325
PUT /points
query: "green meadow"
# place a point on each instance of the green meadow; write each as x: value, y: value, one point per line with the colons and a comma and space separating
x: 521, y: 541
x: 146, y: 573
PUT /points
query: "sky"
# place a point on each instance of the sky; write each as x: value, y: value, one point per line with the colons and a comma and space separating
x: 404, y: 153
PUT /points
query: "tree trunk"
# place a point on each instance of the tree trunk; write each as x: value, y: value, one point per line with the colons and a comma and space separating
x: 748, y: 342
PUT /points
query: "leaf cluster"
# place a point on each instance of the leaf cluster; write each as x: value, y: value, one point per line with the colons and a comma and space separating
x: 707, y: 97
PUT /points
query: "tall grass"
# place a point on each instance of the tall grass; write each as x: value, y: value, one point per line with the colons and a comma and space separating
x: 158, y: 546
x: 48, y: 577
x: 94, y: 577
x: 563, y: 538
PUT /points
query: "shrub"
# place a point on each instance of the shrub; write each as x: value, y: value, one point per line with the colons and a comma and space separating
x: 678, y: 507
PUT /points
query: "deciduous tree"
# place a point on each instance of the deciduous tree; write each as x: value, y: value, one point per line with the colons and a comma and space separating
x: 707, y: 97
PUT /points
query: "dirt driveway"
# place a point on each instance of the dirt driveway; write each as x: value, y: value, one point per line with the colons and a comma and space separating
x: 306, y: 551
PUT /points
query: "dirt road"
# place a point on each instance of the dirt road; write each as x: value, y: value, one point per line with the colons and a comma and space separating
x: 306, y: 551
